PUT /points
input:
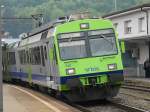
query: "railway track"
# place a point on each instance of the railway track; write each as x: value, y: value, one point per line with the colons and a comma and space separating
x: 107, y: 106
x: 141, y: 89
x: 135, y: 87
x: 128, y: 108
x: 98, y: 106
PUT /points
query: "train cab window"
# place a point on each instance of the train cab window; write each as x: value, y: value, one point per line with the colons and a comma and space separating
x: 72, y: 49
x: 102, y: 44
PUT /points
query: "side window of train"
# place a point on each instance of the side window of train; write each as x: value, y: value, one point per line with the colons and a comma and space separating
x: 42, y: 56
x: 21, y: 56
x: 45, y: 52
x: 25, y: 56
x: 27, y: 53
x: 30, y: 56
x: 54, y: 53
x: 51, y: 51
x: 37, y: 56
x: 11, y: 58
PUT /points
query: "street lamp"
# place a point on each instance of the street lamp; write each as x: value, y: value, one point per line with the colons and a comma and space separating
x: 1, y: 83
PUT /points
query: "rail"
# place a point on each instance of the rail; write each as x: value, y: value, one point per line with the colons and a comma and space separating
x: 135, y: 87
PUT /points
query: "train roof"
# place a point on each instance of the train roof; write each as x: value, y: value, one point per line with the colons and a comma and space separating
x: 60, y: 20
x: 41, y: 28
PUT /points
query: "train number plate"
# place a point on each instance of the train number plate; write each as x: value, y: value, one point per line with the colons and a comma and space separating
x: 92, y: 80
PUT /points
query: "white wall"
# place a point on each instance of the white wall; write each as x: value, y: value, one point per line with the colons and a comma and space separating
x: 149, y: 21
x: 135, y: 25
x: 142, y: 44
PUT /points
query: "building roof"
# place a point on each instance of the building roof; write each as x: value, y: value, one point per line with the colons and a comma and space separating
x: 126, y: 10
x: 10, y: 41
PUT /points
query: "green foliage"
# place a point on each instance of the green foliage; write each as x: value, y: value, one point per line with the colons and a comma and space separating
x: 55, y: 8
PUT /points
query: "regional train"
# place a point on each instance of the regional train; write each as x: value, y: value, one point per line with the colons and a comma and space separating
x: 78, y: 58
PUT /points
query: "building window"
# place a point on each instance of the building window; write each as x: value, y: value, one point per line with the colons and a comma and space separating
x: 141, y: 24
x: 116, y: 25
x: 127, y: 27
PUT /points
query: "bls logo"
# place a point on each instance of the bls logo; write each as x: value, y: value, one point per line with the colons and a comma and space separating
x: 91, y: 69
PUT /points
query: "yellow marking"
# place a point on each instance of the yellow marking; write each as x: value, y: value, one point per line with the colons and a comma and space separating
x: 39, y: 99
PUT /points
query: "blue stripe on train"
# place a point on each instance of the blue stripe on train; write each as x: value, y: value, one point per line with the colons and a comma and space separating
x: 63, y: 80
x: 39, y: 77
x: 22, y: 75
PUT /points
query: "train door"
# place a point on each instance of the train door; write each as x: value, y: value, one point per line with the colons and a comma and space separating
x: 46, y: 59
x: 43, y: 66
x: 53, y: 66
x: 47, y: 63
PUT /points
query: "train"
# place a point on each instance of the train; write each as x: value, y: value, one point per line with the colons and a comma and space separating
x: 79, y: 59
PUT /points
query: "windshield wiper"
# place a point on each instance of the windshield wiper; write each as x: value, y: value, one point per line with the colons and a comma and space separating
x: 105, y: 38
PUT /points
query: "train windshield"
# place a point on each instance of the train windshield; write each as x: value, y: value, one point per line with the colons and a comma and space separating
x: 103, y: 45
x: 72, y: 49
x: 87, y: 44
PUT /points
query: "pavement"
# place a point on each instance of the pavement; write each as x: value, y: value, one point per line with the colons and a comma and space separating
x: 19, y: 99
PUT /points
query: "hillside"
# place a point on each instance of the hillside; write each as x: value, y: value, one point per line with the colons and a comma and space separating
x: 55, y: 8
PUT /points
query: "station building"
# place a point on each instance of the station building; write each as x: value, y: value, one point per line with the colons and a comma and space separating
x: 133, y: 26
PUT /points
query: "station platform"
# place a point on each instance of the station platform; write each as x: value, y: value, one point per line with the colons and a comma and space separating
x: 138, y: 81
x: 18, y: 99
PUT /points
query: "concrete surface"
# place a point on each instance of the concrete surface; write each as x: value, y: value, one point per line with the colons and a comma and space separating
x: 18, y: 99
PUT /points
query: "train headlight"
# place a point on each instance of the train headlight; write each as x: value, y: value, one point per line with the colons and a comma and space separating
x: 84, y: 26
x: 70, y: 71
x: 112, y: 66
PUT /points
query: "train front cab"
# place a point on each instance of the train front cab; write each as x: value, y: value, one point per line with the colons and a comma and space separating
x: 89, y: 60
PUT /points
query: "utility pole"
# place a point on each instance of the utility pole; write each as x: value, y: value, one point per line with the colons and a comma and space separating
x: 115, y: 5
x: 1, y: 85
x: 1, y: 78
